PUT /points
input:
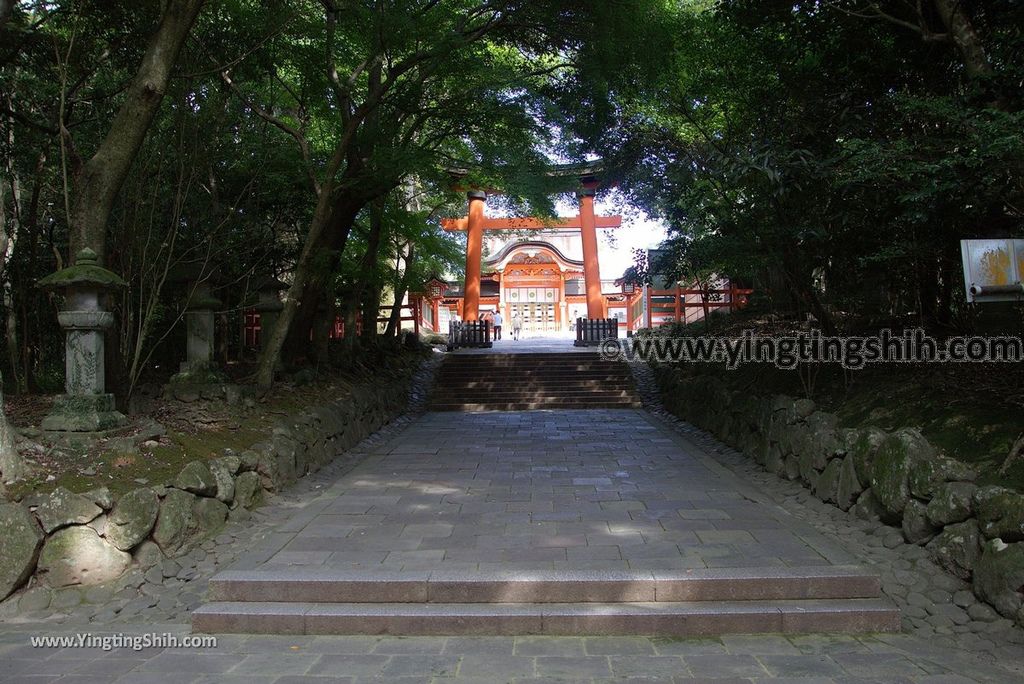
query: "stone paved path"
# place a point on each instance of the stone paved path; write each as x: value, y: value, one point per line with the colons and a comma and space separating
x: 711, y: 516
x: 540, y: 491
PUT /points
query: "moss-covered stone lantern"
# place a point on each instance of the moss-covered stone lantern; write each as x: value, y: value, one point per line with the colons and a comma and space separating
x: 200, y: 329
x: 269, y: 306
x: 85, y: 406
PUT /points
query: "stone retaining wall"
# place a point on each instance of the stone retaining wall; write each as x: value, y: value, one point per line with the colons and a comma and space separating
x: 975, y: 533
x: 65, y: 539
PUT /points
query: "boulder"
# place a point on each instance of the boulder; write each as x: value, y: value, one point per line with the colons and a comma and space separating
x: 849, y: 487
x: 269, y: 471
x: 22, y: 539
x: 862, y: 445
x: 1000, y: 513
x: 132, y: 518
x: 956, y: 549
x: 792, y: 467
x: 222, y: 474
x: 916, y: 527
x: 173, y: 522
x: 63, y: 507
x: 147, y: 554
x: 762, y: 446
x: 821, y: 440
x: 890, y: 471
x: 208, y: 516
x: 77, y: 555
x: 248, y: 490
x: 248, y: 460
x: 197, y: 478
x: 952, y: 503
x: 867, y: 506
x: 999, y: 576
x: 776, y: 461
x: 287, y: 454
x: 790, y: 438
x: 828, y: 483
x: 927, y: 475
x: 100, y: 496
x: 230, y: 461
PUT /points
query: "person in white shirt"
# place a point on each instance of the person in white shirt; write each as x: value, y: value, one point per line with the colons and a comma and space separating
x: 497, y: 325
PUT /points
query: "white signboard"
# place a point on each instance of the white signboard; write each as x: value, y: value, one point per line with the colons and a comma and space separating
x: 992, y: 269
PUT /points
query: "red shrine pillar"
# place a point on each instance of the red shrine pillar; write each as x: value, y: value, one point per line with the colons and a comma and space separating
x: 474, y: 253
x: 591, y: 270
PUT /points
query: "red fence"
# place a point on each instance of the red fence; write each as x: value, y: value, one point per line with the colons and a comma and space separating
x: 415, y: 312
x: 676, y: 304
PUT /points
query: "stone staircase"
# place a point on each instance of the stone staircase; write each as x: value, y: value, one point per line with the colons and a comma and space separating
x: 521, y: 382
x: 684, y: 603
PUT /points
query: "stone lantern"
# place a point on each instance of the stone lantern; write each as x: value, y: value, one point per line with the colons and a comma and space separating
x: 269, y: 306
x: 199, y: 327
x: 85, y: 406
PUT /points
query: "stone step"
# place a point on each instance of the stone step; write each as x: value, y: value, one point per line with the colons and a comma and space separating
x: 503, y: 377
x: 679, y: 619
x: 530, y: 392
x: 536, y: 405
x: 440, y: 586
x: 535, y: 372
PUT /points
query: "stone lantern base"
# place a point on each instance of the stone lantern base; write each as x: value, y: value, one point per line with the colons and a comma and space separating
x: 83, y: 413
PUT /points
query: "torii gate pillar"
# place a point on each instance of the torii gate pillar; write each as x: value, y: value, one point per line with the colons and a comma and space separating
x: 591, y: 270
x: 474, y: 253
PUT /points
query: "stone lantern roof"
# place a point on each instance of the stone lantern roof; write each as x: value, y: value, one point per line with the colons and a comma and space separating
x: 85, y: 271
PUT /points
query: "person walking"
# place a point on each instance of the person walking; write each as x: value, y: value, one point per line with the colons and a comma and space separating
x: 517, y: 325
x: 497, y: 324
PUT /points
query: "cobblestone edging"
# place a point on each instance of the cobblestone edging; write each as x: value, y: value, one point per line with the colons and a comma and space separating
x: 181, y: 534
x: 936, y: 604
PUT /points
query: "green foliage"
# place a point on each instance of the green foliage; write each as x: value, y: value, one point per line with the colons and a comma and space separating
x: 834, y: 159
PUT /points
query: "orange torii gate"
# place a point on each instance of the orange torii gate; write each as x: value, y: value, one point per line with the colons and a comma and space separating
x: 475, y: 223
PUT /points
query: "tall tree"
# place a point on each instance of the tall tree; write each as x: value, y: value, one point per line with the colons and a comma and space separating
x: 98, y: 180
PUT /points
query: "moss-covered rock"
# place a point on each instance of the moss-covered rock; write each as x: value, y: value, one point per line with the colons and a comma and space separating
x: 222, y: 474
x: 197, y: 478
x: 867, y: 506
x: 849, y: 487
x: 133, y: 518
x: 999, y: 576
x: 957, y: 548
x: 890, y: 470
x: 63, y: 507
x: 1000, y: 513
x: 927, y: 475
x: 828, y: 483
x: 916, y: 527
x: 248, y: 490
x: 861, y: 446
x: 952, y: 503
x: 77, y: 555
x: 22, y: 540
x: 174, y: 520
x: 208, y: 516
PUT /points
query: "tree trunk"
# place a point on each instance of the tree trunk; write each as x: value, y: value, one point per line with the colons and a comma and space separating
x: 371, y: 311
x: 325, y: 254
x: 403, y: 286
x: 6, y: 8
x: 99, y: 180
x: 966, y: 39
x: 332, y: 221
x: 803, y: 289
x: 12, y: 466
